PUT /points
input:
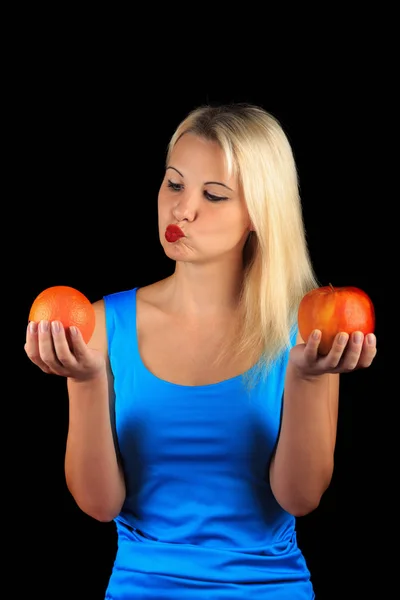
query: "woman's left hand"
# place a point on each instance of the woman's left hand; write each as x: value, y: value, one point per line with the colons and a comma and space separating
x: 347, y: 354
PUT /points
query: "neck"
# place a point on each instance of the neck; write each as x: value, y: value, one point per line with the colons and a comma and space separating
x: 204, y: 290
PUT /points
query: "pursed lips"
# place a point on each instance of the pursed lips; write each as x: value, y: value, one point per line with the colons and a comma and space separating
x: 173, y: 233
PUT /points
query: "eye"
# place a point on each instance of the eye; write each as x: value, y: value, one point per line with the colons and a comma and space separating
x: 213, y: 198
x: 175, y: 187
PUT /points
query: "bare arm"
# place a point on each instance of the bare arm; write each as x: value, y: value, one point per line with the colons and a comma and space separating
x: 302, y: 467
x: 93, y: 473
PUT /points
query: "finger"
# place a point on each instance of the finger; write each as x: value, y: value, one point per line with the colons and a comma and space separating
x: 368, y: 351
x: 62, y: 350
x: 311, y: 348
x: 47, y: 349
x: 31, y: 334
x: 353, y: 351
x: 76, y: 342
x: 336, y: 353
x: 32, y: 347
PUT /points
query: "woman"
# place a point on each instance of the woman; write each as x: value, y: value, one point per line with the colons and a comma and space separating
x: 199, y: 420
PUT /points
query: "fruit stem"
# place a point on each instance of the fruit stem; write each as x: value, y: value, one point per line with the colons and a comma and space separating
x: 332, y: 288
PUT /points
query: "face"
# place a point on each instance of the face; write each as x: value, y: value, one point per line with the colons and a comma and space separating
x: 207, y: 205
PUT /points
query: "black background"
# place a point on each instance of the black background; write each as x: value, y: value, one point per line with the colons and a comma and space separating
x: 89, y: 144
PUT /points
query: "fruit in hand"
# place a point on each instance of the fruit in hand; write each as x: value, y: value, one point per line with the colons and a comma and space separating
x: 65, y: 304
x: 333, y: 310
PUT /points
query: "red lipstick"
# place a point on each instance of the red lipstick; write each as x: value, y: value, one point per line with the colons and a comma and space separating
x: 173, y: 233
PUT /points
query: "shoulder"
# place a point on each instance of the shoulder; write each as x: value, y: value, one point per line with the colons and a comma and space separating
x: 152, y: 298
x: 98, y: 341
x: 149, y: 298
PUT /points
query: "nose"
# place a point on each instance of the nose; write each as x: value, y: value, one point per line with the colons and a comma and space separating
x: 186, y: 207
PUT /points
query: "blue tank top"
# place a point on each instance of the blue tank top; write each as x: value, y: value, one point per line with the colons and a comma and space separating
x: 199, y: 520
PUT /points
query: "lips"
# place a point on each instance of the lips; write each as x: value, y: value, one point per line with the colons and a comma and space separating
x: 173, y: 233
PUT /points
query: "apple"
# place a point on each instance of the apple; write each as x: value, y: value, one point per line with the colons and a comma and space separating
x: 333, y: 310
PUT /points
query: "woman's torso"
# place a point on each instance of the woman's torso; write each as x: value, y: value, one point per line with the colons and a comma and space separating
x: 199, y: 519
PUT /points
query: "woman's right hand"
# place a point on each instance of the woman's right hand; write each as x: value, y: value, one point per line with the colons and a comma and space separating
x: 59, y: 352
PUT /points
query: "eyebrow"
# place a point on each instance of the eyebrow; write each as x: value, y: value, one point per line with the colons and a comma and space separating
x: 206, y: 182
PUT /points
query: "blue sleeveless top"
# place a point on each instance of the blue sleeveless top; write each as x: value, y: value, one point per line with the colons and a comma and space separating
x: 199, y: 520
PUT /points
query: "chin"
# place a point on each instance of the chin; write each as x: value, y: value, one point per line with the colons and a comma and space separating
x: 174, y: 251
x: 178, y: 252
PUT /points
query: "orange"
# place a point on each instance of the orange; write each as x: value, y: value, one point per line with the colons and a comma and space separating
x: 65, y: 304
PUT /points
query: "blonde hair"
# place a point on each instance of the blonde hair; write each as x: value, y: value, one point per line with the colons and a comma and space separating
x: 277, y: 266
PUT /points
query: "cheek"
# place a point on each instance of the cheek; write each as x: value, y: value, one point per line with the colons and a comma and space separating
x: 160, y: 205
x: 236, y: 221
x: 164, y: 201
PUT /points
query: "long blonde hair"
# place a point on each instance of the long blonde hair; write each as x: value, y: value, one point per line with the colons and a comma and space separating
x: 277, y: 266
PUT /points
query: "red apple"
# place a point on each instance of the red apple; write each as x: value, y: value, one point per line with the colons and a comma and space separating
x: 334, y: 310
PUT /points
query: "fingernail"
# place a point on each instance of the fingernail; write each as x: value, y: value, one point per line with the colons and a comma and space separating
x: 43, y: 326
x: 73, y: 330
x: 343, y: 337
x: 371, y: 339
x: 316, y: 334
x: 55, y: 326
x: 33, y: 327
x: 357, y: 337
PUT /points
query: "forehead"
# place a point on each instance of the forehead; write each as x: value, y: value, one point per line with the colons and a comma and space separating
x: 196, y: 155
